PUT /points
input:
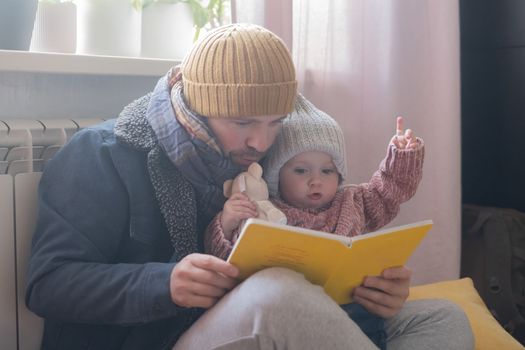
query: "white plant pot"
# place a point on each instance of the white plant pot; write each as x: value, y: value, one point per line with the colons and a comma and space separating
x: 167, y: 30
x: 55, y: 28
x: 108, y: 27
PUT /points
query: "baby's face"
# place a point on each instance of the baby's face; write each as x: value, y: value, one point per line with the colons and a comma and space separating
x: 309, y: 180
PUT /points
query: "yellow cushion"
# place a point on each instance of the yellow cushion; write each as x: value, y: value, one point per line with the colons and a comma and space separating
x: 488, y: 333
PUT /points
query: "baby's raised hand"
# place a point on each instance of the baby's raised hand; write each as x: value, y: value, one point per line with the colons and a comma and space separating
x: 236, y: 209
x: 404, y: 138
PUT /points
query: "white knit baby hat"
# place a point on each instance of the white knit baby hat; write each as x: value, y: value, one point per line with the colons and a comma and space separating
x: 305, y: 129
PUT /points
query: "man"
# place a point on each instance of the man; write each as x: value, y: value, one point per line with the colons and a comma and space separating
x: 116, y: 260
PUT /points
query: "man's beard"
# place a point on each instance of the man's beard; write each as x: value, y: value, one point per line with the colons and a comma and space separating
x: 244, y: 158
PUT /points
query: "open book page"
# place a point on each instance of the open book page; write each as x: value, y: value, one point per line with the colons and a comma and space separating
x: 335, y: 262
x: 262, y: 244
x: 371, y: 253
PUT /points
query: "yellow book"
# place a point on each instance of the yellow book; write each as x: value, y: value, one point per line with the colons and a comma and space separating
x: 337, y: 263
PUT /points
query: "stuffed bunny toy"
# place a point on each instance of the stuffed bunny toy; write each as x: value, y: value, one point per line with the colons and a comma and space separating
x: 252, y: 183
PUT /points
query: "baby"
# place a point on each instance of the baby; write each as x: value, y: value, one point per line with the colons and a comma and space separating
x: 305, y: 171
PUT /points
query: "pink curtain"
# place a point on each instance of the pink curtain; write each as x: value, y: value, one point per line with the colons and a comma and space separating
x: 367, y: 61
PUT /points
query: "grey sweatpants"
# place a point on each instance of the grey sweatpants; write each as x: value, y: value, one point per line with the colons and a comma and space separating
x: 278, y: 309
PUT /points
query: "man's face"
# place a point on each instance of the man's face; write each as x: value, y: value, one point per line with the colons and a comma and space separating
x: 246, y: 140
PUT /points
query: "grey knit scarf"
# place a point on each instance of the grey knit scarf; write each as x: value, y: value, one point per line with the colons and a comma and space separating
x: 187, y: 141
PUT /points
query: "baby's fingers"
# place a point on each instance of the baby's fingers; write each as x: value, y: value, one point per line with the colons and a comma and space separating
x: 399, y: 126
x: 411, y: 139
x: 400, y: 140
x: 241, y: 206
x: 409, y: 134
x: 244, y: 213
x: 239, y: 196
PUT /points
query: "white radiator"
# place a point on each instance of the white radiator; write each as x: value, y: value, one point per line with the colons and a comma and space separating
x: 25, y: 147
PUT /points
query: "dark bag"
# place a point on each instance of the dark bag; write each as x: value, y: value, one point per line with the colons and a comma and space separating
x: 493, y: 255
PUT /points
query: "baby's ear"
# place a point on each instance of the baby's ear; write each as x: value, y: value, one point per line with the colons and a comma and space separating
x: 227, y: 188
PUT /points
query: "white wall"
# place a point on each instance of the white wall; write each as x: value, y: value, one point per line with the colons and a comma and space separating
x: 44, y: 96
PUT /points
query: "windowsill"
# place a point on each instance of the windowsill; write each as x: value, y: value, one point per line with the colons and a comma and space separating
x: 60, y: 63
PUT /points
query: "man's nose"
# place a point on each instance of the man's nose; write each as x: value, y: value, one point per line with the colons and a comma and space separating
x: 260, y: 140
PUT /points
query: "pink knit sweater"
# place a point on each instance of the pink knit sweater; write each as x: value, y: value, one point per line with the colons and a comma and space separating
x: 355, y: 209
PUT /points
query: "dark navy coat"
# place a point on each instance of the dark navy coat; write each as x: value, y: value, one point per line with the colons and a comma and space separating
x: 101, y: 255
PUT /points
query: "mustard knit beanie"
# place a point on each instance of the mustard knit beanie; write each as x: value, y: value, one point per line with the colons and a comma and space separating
x: 306, y: 129
x: 239, y: 70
